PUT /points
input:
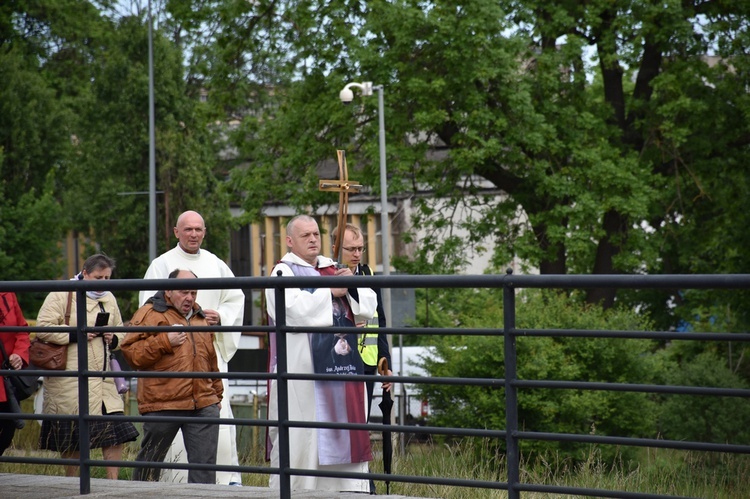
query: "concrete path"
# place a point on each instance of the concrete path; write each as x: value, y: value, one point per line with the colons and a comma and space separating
x: 14, y: 486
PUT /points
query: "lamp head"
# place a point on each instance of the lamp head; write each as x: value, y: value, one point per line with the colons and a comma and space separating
x: 346, y: 96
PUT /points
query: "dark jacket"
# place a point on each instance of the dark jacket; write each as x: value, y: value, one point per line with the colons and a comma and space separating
x: 152, y: 351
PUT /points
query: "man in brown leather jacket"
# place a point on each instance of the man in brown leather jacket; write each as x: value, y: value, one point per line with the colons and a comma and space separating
x: 175, y: 351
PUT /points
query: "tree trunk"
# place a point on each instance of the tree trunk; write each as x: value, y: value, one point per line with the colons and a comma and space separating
x: 609, y: 247
x: 555, y: 261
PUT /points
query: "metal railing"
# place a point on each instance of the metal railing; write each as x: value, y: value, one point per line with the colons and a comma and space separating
x: 511, y: 434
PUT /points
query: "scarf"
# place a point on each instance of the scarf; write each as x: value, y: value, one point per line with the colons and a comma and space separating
x: 94, y: 295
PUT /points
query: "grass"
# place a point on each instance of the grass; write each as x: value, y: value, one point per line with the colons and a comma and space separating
x: 655, y: 471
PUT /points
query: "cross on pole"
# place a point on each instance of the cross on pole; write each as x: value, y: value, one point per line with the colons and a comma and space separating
x: 344, y: 187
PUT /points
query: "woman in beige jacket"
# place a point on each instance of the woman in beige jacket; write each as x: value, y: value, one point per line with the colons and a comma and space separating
x: 61, y: 393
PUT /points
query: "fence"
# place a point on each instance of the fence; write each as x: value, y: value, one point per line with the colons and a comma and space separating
x: 511, y: 434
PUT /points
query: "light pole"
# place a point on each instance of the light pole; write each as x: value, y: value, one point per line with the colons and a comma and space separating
x: 346, y: 97
x: 151, y: 144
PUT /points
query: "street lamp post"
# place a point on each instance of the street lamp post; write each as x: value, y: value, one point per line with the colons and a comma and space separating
x: 346, y: 97
x: 151, y: 144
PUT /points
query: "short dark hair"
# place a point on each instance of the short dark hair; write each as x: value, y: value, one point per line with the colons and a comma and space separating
x: 99, y: 261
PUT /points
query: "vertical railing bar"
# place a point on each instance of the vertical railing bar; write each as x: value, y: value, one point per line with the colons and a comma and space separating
x: 84, y: 442
x: 282, y: 394
x: 511, y: 395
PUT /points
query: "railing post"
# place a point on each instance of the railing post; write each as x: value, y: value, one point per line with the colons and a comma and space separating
x: 84, y: 442
x: 511, y: 395
x: 282, y: 394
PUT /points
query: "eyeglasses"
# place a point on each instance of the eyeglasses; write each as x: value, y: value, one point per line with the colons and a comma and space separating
x: 358, y: 249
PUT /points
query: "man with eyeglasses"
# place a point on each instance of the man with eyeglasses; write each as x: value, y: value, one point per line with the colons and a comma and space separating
x: 373, y: 342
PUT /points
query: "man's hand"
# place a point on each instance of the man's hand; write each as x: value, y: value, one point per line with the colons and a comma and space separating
x: 177, y: 338
x: 341, y: 292
x: 387, y: 384
x: 212, y: 317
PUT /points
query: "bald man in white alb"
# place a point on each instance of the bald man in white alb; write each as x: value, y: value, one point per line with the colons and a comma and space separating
x: 222, y: 307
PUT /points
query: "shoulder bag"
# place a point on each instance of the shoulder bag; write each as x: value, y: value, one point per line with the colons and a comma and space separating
x: 51, y: 356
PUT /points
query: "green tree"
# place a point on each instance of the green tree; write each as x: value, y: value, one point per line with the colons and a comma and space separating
x: 616, y: 144
x: 113, y: 156
x: 29, y: 254
x: 74, y: 130
x: 34, y: 146
x: 44, y: 51
x: 603, y: 123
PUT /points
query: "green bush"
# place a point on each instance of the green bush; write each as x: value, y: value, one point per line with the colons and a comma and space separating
x: 613, y: 360
x: 698, y: 417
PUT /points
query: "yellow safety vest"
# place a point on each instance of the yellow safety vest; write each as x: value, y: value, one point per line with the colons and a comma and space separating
x: 368, y: 343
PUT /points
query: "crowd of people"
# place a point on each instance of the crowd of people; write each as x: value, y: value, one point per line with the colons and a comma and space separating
x: 196, y: 398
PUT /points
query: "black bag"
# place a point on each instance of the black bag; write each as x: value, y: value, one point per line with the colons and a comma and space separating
x: 24, y: 386
x: 13, y: 405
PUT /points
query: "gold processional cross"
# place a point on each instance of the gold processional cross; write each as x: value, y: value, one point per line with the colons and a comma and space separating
x: 343, y: 186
